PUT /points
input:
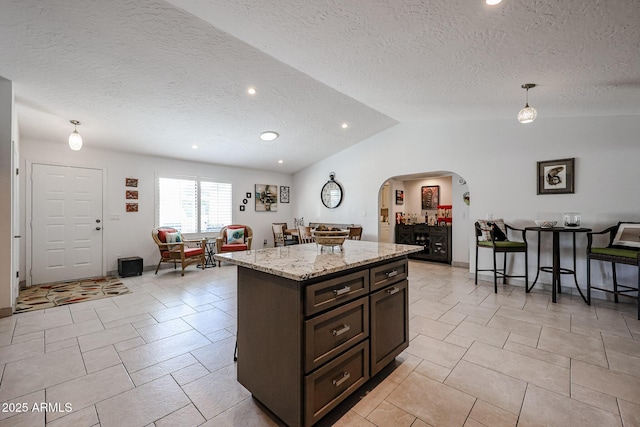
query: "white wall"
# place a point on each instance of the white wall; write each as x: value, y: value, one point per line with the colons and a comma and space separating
x: 498, y: 160
x: 131, y: 234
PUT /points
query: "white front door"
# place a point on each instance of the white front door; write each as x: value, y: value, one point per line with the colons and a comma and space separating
x: 66, y: 221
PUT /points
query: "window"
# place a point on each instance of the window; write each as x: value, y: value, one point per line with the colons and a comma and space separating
x: 194, y: 205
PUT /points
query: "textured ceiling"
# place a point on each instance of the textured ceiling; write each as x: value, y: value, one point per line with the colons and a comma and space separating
x: 156, y: 77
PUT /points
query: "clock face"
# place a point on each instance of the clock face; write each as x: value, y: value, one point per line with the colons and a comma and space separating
x: 331, y: 194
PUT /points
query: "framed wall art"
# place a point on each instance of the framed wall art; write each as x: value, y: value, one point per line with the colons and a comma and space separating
x: 556, y: 176
x: 266, y: 198
x: 430, y: 197
x: 131, y: 194
x: 284, y: 194
x: 132, y: 207
x: 131, y: 182
x: 399, y: 197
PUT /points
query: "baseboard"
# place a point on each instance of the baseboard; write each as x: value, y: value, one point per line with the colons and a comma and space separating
x: 460, y: 264
x: 6, y: 311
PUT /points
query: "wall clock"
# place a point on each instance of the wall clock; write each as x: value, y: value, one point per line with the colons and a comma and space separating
x: 331, y: 194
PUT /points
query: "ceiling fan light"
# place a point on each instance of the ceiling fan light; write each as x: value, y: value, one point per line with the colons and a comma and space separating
x: 527, y: 114
x: 493, y: 2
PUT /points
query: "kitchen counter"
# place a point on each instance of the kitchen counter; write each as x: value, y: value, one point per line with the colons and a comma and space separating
x: 315, y: 325
x: 303, y: 262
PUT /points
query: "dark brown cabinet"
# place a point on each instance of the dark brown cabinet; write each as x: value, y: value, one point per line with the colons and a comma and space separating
x: 435, y: 240
x: 305, y: 346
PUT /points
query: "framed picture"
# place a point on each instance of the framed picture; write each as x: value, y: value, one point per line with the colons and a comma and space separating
x: 430, y: 197
x: 284, y: 194
x: 628, y: 235
x: 399, y: 197
x: 132, y: 207
x: 556, y: 176
x: 266, y: 198
x: 132, y: 194
x: 131, y: 182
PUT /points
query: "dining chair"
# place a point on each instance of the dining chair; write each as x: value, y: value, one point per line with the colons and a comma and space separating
x: 355, y: 233
x: 619, y: 250
x: 494, y: 235
x: 304, y: 234
x: 280, y: 237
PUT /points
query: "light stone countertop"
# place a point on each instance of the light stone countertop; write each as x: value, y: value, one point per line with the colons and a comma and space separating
x: 302, y: 262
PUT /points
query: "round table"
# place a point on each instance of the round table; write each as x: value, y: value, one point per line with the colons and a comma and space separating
x: 556, y: 270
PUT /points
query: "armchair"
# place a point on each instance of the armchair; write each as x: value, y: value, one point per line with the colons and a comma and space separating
x: 621, y: 249
x: 234, y: 238
x: 175, y: 249
x: 493, y: 235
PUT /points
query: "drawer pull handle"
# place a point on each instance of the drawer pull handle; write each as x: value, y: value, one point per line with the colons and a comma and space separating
x: 338, y: 292
x: 342, y: 379
x: 393, y: 290
x: 338, y: 332
x: 392, y: 273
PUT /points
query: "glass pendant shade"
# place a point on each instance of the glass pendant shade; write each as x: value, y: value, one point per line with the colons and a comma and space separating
x: 75, y: 141
x: 527, y: 114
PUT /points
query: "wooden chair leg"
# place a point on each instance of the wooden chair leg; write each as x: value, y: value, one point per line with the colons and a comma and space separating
x: 158, y: 267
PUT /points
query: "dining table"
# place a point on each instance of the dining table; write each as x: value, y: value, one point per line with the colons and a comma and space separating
x: 556, y: 269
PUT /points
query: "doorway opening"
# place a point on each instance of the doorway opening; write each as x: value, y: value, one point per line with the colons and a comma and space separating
x: 414, y: 199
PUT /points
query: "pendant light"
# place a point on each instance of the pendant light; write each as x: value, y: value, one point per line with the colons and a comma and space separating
x: 75, y: 140
x: 527, y: 114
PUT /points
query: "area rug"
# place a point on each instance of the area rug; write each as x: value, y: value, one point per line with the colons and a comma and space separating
x: 57, y: 294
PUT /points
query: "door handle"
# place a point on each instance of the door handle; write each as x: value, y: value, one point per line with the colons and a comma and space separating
x: 98, y: 228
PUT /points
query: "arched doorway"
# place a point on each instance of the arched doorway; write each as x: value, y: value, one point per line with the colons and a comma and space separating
x: 403, y: 195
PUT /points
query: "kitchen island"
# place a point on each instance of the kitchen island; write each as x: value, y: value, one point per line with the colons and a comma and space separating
x: 315, y: 325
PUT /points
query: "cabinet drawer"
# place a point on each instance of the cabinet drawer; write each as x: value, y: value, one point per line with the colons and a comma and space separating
x: 330, y: 293
x: 389, y: 273
x: 389, y: 324
x: 329, y: 334
x: 334, y: 382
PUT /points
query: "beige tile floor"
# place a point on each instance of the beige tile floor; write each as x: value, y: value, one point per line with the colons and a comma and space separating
x: 163, y: 356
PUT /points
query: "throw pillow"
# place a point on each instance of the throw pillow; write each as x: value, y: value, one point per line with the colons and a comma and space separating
x: 298, y: 222
x: 487, y: 225
x: 627, y: 236
x: 174, y: 237
x: 235, y: 236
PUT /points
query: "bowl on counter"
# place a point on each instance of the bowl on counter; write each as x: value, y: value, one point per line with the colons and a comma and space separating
x: 545, y: 223
x: 330, y: 238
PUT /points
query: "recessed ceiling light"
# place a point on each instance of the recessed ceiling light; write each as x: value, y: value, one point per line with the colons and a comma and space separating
x: 195, y: 147
x: 269, y: 135
x: 251, y: 91
x: 345, y: 125
x: 280, y: 161
x: 492, y: 2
